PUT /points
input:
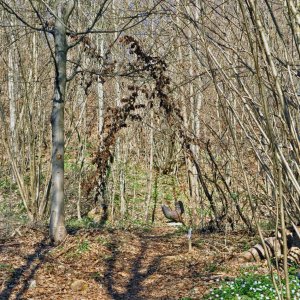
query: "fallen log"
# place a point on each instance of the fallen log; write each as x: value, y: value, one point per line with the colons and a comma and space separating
x: 274, y: 247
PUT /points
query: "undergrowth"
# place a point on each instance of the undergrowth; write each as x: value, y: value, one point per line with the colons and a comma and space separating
x: 74, y: 224
x: 253, y: 286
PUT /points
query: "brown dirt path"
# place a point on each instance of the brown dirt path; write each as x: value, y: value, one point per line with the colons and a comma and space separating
x: 113, y: 264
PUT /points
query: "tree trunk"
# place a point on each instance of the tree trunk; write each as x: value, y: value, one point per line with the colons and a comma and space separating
x: 57, y: 218
x: 150, y: 174
x: 186, y: 122
x: 100, y: 94
x: 119, y: 154
x: 12, y: 100
x: 122, y: 191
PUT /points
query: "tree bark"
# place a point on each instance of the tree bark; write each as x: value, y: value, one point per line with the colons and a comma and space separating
x: 150, y: 174
x: 12, y: 100
x: 57, y: 218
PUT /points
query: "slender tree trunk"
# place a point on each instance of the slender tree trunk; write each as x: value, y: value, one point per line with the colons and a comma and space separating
x: 82, y: 146
x: 155, y: 196
x: 122, y: 192
x: 120, y: 159
x: 151, y: 154
x: 150, y: 176
x: 191, y: 171
x: 57, y: 218
x: 100, y: 94
x: 11, y: 96
x: 193, y: 178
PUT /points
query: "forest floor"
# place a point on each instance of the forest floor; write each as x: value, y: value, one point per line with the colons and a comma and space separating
x: 117, y: 264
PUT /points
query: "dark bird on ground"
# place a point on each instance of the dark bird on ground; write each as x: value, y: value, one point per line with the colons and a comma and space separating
x: 174, y: 215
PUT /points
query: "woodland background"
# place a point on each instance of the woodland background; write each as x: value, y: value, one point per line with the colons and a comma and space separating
x: 165, y: 100
x: 190, y: 100
x: 232, y: 70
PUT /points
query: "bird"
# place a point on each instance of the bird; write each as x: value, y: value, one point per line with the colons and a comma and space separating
x: 174, y: 215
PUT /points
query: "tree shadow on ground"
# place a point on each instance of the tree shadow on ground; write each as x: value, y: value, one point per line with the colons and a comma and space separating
x: 26, y: 272
x: 134, y: 284
x: 138, y: 272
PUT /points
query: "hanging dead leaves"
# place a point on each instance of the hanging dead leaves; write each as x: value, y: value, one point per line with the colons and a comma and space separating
x: 119, y: 117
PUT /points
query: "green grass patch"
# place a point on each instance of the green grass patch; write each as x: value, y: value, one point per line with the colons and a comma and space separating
x: 96, y: 276
x: 102, y: 241
x: 6, y: 267
x: 83, y: 246
x: 7, y: 185
x: 75, y: 224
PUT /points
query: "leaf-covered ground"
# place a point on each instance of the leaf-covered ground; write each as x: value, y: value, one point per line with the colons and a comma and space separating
x: 115, y: 264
